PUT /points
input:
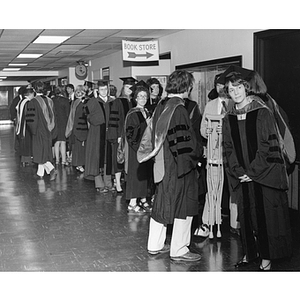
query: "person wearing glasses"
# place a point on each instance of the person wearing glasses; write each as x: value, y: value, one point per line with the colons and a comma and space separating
x: 138, y: 174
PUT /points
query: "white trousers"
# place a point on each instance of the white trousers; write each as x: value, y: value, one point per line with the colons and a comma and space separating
x: 181, y: 236
x: 48, y: 167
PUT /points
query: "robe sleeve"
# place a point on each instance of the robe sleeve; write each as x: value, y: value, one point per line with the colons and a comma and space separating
x: 230, y: 161
x: 116, y: 120
x: 268, y: 166
x: 95, y: 114
x: 182, y: 142
x: 134, y: 131
x: 196, y: 118
x: 81, y: 126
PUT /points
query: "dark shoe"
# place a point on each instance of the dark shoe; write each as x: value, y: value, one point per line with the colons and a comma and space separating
x: 242, y: 262
x: 189, y: 256
x: 119, y: 192
x: 52, y: 174
x: 166, y: 248
x: 235, y: 231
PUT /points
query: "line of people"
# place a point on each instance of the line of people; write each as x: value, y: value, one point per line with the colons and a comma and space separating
x: 82, y: 127
x: 164, y: 144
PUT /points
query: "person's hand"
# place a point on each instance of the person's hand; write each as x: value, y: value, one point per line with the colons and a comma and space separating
x: 245, y: 178
x: 119, y: 140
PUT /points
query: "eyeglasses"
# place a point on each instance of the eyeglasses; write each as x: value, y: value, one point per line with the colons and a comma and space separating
x: 142, y: 96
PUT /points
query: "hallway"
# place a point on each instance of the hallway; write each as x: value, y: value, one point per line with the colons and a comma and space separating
x: 65, y: 225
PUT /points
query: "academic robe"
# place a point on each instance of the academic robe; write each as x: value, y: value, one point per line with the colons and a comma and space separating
x: 93, y: 152
x: 177, y: 189
x: 79, y: 133
x: 118, y: 111
x: 13, y: 107
x: 61, y: 109
x: 108, y: 145
x: 137, y: 174
x: 22, y: 130
x: 151, y: 104
x: 251, y: 146
x: 195, y: 116
x: 41, y: 121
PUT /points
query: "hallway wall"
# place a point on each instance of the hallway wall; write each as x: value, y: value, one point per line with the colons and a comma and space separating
x: 187, y: 46
x: 196, y: 45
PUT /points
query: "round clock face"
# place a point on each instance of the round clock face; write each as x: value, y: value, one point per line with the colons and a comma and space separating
x: 81, y: 71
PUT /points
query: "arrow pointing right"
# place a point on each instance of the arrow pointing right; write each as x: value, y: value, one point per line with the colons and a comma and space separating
x: 134, y: 55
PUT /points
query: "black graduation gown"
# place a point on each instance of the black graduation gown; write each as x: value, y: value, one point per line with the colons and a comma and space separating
x: 24, y: 134
x: 195, y: 116
x: 62, y: 109
x: 118, y: 111
x: 41, y: 135
x: 79, y: 136
x: 94, y: 151
x: 251, y: 146
x: 137, y: 174
x: 177, y: 193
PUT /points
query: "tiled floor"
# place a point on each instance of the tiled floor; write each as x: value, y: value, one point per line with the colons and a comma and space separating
x: 65, y: 225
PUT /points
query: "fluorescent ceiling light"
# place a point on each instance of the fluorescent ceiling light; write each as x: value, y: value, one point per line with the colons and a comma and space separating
x: 14, y: 65
x: 3, y: 77
x: 29, y: 55
x: 48, y: 39
x: 11, y: 69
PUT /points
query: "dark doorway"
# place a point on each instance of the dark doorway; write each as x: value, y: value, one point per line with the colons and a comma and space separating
x: 277, y: 59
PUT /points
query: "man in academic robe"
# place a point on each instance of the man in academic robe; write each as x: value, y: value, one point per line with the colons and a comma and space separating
x: 118, y: 111
x: 95, y: 143
x: 103, y: 181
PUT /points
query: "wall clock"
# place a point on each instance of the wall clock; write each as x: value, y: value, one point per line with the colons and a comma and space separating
x: 81, y: 71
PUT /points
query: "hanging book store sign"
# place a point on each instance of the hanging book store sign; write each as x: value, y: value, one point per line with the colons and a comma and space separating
x: 140, y: 51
